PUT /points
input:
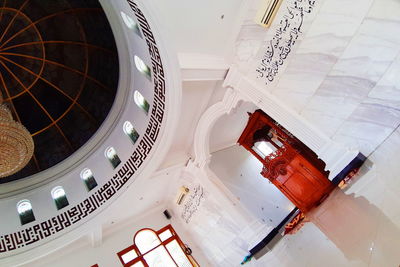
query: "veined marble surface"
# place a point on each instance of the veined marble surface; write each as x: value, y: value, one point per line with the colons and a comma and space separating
x: 359, y: 226
x: 223, y: 237
x: 342, y: 73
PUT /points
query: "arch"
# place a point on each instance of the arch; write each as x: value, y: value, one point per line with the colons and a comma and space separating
x: 112, y: 156
x: 142, y: 67
x: 130, y: 131
x: 207, y: 121
x: 146, y: 239
x: 131, y: 23
x: 335, y: 155
x: 141, y: 102
x: 88, y: 178
x: 24, y: 208
x: 59, y: 197
x: 152, y: 248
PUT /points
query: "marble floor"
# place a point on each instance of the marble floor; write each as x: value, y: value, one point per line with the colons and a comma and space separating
x: 357, y: 226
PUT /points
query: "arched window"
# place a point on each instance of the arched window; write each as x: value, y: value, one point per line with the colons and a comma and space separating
x: 142, y: 67
x: 157, y: 248
x: 130, y: 131
x: 112, y: 156
x: 141, y: 101
x: 24, y: 208
x: 88, y: 179
x: 131, y: 23
x: 59, y: 197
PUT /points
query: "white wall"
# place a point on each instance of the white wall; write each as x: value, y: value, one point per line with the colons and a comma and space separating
x: 198, y: 26
x: 342, y: 72
x: 227, y: 130
x: 81, y: 254
x: 223, y: 233
x: 359, y: 226
x: 240, y: 171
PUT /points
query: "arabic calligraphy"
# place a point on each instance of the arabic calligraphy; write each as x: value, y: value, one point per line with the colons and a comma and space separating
x: 77, y: 213
x: 192, y: 203
x: 285, y: 37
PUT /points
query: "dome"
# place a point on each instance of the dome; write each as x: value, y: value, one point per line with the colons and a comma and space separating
x: 58, y: 76
x: 100, y: 100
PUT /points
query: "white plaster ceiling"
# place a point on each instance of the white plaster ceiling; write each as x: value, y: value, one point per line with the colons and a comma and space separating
x: 197, y: 96
x: 205, y: 27
x: 228, y: 128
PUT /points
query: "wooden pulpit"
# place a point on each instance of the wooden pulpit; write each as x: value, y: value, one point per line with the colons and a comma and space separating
x: 287, y: 162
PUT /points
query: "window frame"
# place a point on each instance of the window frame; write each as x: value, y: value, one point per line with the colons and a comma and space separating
x: 62, y: 201
x: 90, y: 181
x: 131, y: 23
x: 28, y: 214
x: 115, y: 161
x: 134, y: 136
x: 140, y: 256
x: 142, y: 67
x: 144, y: 104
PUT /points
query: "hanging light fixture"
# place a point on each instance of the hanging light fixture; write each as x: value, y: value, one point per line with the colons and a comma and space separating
x: 16, y: 144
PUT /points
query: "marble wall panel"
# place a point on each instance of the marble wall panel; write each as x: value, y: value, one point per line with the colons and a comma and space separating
x: 302, y: 78
x: 224, y: 239
x: 324, y: 43
x: 335, y: 101
x: 388, y: 88
x: 377, y: 115
x: 343, y: 70
x: 369, y: 125
x: 344, y: 78
x: 358, y: 226
x: 351, y: 8
x: 366, y: 57
x: 387, y: 10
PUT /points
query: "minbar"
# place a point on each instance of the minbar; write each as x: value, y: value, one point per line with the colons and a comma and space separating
x: 291, y: 166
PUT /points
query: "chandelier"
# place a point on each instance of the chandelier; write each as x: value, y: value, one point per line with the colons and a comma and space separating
x: 16, y: 144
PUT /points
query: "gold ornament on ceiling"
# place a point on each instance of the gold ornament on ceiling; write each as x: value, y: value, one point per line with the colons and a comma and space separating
x: 16, y: 144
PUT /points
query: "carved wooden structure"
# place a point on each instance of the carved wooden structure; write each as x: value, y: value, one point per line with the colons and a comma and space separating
x: 291, y: 166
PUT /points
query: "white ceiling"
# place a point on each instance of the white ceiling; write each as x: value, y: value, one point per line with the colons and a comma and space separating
x: 228, y: 128
x: 196, y: 98
x: 205, y: 27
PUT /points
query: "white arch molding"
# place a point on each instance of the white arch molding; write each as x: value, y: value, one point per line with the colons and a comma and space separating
x: 240, y: 87
x: 208, y: 119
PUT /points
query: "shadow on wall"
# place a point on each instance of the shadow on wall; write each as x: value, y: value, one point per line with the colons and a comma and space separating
x: 358, y: 228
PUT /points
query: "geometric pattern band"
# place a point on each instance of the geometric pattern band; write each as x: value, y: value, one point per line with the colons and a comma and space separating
x: 73, y: 215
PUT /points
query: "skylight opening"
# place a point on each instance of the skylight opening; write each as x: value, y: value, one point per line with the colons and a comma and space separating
x: 141, y: 101
x: 130, y: 131
x: 88, y: 178
x: 142, y: 67
x: 24, y: 208
x: 59, y: 197
x: 112, y: 156
x: 131, y: 23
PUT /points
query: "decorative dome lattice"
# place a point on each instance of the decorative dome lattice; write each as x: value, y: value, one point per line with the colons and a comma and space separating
x: 58, y: 74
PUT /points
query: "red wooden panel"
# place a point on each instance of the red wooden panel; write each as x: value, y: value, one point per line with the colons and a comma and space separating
x: 293, y: 168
